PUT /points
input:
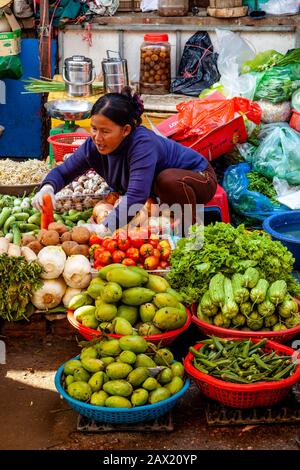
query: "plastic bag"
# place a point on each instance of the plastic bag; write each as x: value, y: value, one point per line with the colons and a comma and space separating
x: 233, y: 52
x: 288, y: 195
x: 247, y: 203
x: 277, y: 84
x: 198, y: 66
x: 10, y: 67
x: 149, y: 5
x: 282, y: 7
x: 275, y: 112
x: 278, y: 153
x: 199, y: 117
x: 262, y: 61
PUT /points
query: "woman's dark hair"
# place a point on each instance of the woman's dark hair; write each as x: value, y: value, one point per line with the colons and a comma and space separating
x: 122, y: 108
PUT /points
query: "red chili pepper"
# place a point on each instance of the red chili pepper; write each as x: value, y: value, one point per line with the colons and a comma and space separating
x: 47, y: 216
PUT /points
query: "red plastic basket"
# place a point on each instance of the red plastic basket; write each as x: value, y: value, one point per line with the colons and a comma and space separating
x: 281, y: 336
x: 163, y: 339
x: 244, y: 395
x: 66, y: 143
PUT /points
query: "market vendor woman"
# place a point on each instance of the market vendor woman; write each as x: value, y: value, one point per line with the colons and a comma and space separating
x: 134, y: 161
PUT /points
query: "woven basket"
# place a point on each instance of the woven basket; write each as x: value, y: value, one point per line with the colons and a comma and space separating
x: 136, y: 5
x: 125, y: 5
x: 225, y: 3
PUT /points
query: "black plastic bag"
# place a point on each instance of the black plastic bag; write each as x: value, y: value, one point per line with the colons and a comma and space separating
x: 198, y: 66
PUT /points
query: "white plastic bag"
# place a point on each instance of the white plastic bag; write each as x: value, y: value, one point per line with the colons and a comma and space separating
x: 149, y: 5
x: 282, y: 7
x: 286, y: 194
x: 233, y: 52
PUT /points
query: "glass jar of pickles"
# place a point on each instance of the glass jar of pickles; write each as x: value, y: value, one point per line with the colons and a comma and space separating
x: 155, y: 64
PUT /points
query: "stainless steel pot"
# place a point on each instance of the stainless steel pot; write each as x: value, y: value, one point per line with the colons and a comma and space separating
x: 78, y: 74
x: 115, y: 73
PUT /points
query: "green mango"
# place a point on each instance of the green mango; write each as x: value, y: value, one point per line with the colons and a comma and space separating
x: 71, y: 365
x: 137, y: 376
x: 136, y: 344
x: 99, y: 398
x: 159, y: 394
x: 96, y: 381
x: 169, y: 318
x: 92, y: 365
x: 107, y: 360
x: 165, y: 376
x: 118, y: 370
x: 80, y: 312
x: 128, y: 357
x: 142, y: 360
x: 120, y: 387
x: 147, y: 312
x: 103, y: 271
x: 164, y: 299
x: 175, y: 385
x: 117, y: 402
x: 137, y: 296
x: 150, y: 384
x: 109, y: 348
x: 141, y: 271
x: 95, y: 288
x: 125, y: 277
x: 139, y: 397
x: 157, y: 283
x: 111, y: 293
x: 105, y: 312
x: 148, y: 329
x: 174, y: 293
x: 106, y: 326
x: 80, y: 391
x: 177, y: 369
x: 90, y: 321
x: 128, y: 312
x: 89, y: 352
x: 69, y: 379
x: 81, y: 375
x: 122, y: 326
x: 80, y: 300
x: 163, y: 357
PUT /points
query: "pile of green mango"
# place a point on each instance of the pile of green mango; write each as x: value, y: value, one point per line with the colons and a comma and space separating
x: 123, y: 373
x: 127, y: 300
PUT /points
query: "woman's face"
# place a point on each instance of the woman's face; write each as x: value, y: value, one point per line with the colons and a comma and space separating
x: 106, y: 134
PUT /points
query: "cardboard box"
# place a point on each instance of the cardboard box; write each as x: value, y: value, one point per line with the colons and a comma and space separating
x: 10, y: 42
x: 215, y: 143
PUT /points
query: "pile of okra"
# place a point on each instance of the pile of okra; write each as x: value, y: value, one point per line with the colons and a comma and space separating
x: 241, y: 361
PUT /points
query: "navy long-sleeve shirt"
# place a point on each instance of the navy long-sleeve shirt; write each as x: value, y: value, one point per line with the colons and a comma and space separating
x: 131, y: 169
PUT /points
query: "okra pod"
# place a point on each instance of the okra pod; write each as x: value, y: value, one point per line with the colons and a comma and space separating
x: 261, y: 363
x: 281, y: 374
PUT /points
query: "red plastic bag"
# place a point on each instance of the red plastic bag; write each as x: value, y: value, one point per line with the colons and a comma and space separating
x: 200, y: 117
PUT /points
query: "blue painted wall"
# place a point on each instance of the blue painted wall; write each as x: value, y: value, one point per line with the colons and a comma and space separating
x: 21, y: 114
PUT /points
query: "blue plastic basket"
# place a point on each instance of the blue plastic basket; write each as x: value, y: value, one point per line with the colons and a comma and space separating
x: 119, y: 415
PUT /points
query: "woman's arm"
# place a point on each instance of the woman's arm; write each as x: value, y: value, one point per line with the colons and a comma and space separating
x: 72, y: 168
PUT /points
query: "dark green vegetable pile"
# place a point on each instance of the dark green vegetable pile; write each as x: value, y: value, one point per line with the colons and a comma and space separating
x: 18, y: 280
x: 241, y: 361
x: 262, y: 185
x: 228, y: 250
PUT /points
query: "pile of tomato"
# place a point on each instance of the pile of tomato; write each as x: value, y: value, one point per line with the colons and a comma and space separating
x: 135, y: 248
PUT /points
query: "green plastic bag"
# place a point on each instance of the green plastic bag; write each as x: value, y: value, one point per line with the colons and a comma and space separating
x: 262, y: 61
x: 277, y: 84
x: 10, y: 67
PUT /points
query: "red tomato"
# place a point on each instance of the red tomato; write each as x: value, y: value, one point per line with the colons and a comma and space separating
x: 146, y: 250
x: 98, y: 265
x: 95, y: 240
x: 156, y: 253
x: 133, y: 253
x: 118, y: 256
x: 111, y: 246
x: 128, y: 262
x: 165, y: 254
x: 123, y: 243
x: 164, y: 264
x: 105, y: 258
x: 137, y: 242
x: 164, y: 244
x: 151, y: 262
x: 106, y: 241
x: 153, y: 243
x: 97, y: 252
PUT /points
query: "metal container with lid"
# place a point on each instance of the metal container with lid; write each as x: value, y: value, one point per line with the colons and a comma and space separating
x: 115, y: 73
x: 78, y: 74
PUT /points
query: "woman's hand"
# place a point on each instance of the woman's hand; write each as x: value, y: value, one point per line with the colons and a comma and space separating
x: 37, y: 201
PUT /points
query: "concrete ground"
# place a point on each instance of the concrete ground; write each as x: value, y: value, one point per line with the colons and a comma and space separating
x: 34, y: 417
